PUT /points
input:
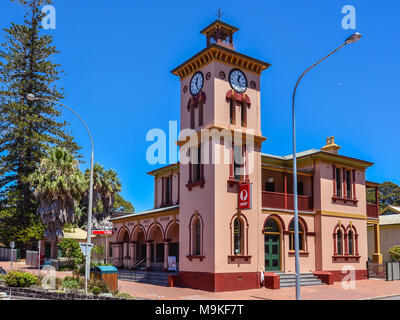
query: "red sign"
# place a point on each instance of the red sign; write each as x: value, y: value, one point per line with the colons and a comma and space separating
x: 244, y: 196
x: 102, y: 232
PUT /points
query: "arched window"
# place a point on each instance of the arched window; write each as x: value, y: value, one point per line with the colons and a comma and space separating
x: 232, y: 112
x: 196, y: 237
x: 200, y: 114
x: 291, y: 237
x: 339, y: 242
x: 350, y: 237
x: 243, y: 110
x: 192, y: 117
x: 271, y: 226
x: 238, y: 236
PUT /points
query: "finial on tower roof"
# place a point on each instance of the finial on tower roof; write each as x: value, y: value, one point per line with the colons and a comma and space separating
x: 219, y: 14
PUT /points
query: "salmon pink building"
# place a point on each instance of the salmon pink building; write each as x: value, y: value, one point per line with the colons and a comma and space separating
x: 224, y: 238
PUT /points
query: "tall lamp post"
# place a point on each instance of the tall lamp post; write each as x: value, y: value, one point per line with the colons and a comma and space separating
x: 353, y: 38
x: 31, y: 97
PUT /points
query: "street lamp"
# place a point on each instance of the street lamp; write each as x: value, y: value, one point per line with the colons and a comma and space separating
x: 352, y: 39
x: 31, y: 97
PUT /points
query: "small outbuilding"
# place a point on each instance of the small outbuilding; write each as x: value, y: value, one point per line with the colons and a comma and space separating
x: 109, y: 274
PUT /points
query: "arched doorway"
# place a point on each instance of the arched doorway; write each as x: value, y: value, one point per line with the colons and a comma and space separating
x: 124, y: 239
x: 141, y: 245
x: 272, y: 245
x: 173, y: 237
x: 157, y: 246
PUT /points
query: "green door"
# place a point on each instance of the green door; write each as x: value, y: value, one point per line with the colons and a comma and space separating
x: 272, y: 252
x: 47, y: 250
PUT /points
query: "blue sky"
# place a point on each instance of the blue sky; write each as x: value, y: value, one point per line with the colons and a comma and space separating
x: 117, y: 56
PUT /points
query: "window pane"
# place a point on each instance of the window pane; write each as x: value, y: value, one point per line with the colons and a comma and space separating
x: 291, y: 241
x: 237, y: 236
x: 291, y: 227
x: 338, y: 182
x: 339, y: 243
x: 348, y: 184
x: 271, y: 226
x: 351, y: 251
x: 301, y: 241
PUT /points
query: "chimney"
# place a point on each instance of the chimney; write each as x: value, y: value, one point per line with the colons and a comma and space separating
x: 331, y: 146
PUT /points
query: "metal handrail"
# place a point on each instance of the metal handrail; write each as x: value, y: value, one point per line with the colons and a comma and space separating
x: 135, y: 265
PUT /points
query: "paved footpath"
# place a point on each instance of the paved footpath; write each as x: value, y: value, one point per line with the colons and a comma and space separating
x: 365, y: 289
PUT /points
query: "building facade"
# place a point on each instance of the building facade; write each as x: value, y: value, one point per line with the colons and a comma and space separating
x: 389, y: 225
x: 196, y: 216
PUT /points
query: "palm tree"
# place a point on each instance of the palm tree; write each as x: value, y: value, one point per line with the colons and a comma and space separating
x: 106, y: 186
x: 58, y: 184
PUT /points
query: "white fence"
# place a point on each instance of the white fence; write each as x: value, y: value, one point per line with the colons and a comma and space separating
x: 6, y: 253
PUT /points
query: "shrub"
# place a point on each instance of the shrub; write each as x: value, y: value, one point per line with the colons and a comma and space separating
x: 123, y: 295
x: 98, y: 283
x: 71, y: 283
x: 95, y: 290
x: 21, y: 279
x: 395, y: 253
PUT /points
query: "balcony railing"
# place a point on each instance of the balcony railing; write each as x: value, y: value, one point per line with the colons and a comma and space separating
x: 372, y: 210
x: 285, y: 201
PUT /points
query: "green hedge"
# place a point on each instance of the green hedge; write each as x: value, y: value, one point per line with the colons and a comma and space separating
x: 21, y: 279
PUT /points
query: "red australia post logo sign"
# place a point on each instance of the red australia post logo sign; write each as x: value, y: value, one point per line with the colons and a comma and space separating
x: 245, y: 196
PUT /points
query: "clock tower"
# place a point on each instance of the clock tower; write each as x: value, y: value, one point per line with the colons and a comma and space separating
x: 221, y: 246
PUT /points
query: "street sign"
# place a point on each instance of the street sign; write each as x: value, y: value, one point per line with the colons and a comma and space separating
x: 86, y: 248
x: 245, y: 196
x: 12, y: 244
x: 102, y: 232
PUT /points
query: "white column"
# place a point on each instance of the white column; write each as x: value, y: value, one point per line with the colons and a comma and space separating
x: 148, y: 254
x: 166, y: 254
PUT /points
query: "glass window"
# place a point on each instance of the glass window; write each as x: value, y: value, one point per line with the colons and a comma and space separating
x: 243, y: 115
x: 271, y: 226
x: 339, y: 240
x: 232, y: 112
x: 338, y: 183
x: 196, y: 237
x: 196, y: 167
x: 191, y: 118
x: 291, y: 237
x: 351, y: 243
x: 168, y: 190
x: 200, y: 114
x: 238, y: 167
x: 237, y: 232
x: 349, y: 184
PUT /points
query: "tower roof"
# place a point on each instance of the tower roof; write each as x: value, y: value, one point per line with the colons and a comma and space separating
x: 218, y: 24
x: 219, y: 32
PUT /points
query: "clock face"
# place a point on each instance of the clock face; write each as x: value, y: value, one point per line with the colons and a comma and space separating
x: 196, y: 84
x: 238, y: 80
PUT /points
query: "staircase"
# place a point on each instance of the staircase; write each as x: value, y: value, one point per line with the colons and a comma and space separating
x: 150, y: 277
x: 306, y: 279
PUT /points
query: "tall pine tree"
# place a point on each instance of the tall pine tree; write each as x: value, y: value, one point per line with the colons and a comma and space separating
x: 27, y: 129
